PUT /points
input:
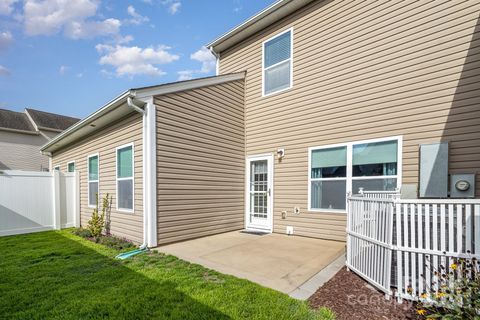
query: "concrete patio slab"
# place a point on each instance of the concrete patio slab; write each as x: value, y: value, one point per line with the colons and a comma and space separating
x: 280, y: 262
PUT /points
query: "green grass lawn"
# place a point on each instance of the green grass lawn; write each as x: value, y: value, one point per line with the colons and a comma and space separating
x: 59, y: 275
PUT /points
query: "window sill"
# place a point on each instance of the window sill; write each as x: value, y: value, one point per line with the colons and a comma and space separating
x: 327, y: 210
x: 268, y: 95
x: 126, y: 211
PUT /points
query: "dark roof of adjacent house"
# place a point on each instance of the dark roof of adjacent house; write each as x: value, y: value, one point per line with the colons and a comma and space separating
x: 52, y: 121
x: 32, y: 120
x: 15, y: 121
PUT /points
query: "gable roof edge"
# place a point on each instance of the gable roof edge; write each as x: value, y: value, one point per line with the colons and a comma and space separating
x: 138, y: 94
x: 276, y: 11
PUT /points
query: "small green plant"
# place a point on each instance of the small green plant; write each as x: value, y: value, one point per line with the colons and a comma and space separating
x: 326, y: 314
x: 115, y: 243
x: 82, y: 232
x: 458, y: 294
x: 96, y: 224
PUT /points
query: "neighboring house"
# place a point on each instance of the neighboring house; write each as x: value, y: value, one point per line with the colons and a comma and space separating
x: 313, y: 100
x: 23, y: 133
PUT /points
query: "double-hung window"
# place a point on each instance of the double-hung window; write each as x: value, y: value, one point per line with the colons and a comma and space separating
x: 335, y: 170
x: 93, y: 179
x: 277, y: 63
x: 125, y: 178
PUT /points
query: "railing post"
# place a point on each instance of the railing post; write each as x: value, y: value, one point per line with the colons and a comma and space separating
x: 77, y: 198
x: 56, y: 193
x: 349, y: 224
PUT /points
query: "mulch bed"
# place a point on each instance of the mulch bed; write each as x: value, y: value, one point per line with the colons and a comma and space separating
x: 350, y: 297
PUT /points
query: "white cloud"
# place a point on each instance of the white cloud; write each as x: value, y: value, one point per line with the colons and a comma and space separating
x: 6, y: 6
x: 74, y: 18
x: 123, y: 39
x: 79, y: 75
x: 132, y: 61
x: 4, y: 71
x: 136, y: 17
x: 185, y: 75
x: 92, y: 29
x: 63, y: 69
x: 207, y: 59
x: 173, y: 6
x: 6, y: 39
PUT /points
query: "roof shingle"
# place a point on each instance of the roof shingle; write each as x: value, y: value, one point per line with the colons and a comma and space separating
x: 15, y: 120
x: 47, y: 120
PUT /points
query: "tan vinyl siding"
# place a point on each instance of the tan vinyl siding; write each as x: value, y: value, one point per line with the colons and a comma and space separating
x: 105, y: 142
x: 364, y: 70
x: 200, y: 162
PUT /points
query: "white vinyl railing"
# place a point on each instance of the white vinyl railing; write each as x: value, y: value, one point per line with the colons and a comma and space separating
x: 400, y: 243
x: 38, y: 201
x: 369, y: 240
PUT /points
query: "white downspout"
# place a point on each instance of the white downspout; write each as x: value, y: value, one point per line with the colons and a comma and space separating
x: 149, y: 164
x: 217, y: 63
x: 151, y: 172
x: 136, y: 108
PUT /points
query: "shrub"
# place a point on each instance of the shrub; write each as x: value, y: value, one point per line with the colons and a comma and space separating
x: 81, y: 232
x: 96, y: 224
x: 458, y: 294
x: 115, y: 243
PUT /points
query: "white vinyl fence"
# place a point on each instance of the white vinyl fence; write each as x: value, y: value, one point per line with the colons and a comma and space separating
x: 37, y: 201
x: 400, y: 243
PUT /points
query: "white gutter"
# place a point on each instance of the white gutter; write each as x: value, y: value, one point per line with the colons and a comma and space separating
x: 85, y: 122
x: 134, y: 106
x: 34, y: 133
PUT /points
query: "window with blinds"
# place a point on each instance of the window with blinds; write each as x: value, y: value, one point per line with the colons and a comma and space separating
x: 277, y: 63
x: 125, y: 178
x: 337, y: 170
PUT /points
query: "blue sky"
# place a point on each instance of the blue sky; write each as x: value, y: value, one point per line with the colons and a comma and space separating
x: 72, y: 56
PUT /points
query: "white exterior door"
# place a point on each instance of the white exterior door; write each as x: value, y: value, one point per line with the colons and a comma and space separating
x: 259, y: 193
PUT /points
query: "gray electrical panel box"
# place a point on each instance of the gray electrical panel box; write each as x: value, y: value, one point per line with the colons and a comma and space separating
x: 462, y: 186
x: 433, y: 170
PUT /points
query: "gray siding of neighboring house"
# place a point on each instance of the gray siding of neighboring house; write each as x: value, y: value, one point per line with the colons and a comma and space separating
x: 20, y: 151
x: 50, y: 134
x: 200, y: 162
x: 364, y: 70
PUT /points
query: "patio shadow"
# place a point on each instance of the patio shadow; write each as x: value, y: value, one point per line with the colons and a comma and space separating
x: 462, y: 127
x: 56, y: 277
